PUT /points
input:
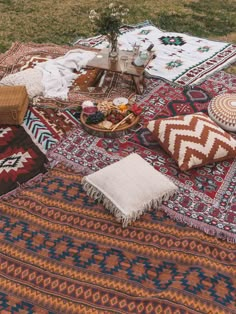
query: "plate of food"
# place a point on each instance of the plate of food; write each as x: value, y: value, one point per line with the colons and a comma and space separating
x: 109, y: 120
x: 120, y: 101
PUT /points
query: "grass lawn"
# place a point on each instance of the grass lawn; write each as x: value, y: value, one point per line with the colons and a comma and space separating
x: 61, y: 22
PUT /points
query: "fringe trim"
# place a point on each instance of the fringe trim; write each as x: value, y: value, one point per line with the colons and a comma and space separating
x: 56, y: 160
x: 210, y: 230
x: 125, y: 220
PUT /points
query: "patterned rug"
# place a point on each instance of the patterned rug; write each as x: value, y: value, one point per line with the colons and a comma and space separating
x: 208, y: 191
x: 180, y: 58
x: 22, y: 149
x: 60, y: 252
x: 20, y: 159
x: 22, y: 56
x: 47, y: 126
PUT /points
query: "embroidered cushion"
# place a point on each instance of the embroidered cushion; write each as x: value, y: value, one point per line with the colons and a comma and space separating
x: 222, y: 109
x: 129, y: 187
x: 30, y: 78
x: 193, y: 140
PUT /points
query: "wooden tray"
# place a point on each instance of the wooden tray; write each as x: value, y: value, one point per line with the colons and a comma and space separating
x: 100, y: 132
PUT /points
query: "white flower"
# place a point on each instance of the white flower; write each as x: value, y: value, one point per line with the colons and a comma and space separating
x: 92, y: 15
x: 93, y: 12
x: 111, y: 5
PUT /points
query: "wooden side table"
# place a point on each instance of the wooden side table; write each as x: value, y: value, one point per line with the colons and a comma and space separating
x: 103, y: 62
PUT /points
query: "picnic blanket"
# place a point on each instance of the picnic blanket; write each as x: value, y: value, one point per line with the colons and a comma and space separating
x: 61, y: 252
x: 180, y: 58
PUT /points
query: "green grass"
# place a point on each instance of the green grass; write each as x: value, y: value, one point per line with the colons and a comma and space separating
x: 203, y: 18
x: 61, y: 22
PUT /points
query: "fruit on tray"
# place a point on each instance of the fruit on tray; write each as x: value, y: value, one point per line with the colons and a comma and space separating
x: 95, y: 118
x: 137, y: 110
x: 106, y: 115
x: 115, y: 116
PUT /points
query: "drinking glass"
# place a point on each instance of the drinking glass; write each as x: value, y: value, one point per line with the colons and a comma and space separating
x: 123, y: 63
x: 136, y: 48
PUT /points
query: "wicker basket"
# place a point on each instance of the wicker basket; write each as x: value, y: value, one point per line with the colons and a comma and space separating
x: 14, y: 102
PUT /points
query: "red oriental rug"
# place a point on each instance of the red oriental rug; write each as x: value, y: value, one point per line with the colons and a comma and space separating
x: 206, y: 198
x: 20, y: 159
x: 61, y: 252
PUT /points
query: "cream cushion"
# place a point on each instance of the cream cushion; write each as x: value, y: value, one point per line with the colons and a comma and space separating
x: 129, y: 187
x: 30, y: 78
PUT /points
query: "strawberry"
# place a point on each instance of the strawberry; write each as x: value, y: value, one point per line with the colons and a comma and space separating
x: 136, y: 109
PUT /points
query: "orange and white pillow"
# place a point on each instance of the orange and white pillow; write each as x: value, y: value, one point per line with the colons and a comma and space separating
x: 193, y: 140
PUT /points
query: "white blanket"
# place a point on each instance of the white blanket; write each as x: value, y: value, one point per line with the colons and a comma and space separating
x: 180, y: 58
x: 58, y: 74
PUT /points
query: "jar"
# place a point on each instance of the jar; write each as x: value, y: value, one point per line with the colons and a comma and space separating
x: 141, y: 58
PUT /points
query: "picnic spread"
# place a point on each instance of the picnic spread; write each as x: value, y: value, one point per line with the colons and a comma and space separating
x: 118, y: 175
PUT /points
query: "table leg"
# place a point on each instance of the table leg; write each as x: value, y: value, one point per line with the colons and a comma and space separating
x: 139, y: 83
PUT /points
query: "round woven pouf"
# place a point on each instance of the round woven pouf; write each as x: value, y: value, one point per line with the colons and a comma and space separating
x: 222, y: 109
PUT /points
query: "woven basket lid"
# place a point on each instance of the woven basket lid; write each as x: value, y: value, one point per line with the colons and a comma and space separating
x: 222, y: 109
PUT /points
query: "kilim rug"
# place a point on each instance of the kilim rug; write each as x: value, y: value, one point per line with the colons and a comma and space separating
x: 22, y: 149
x: 47, y: 126
x: 20, y: 159
x: 206, y: 198
x: 22, y: 56
x: 61, y: 252
x: 180, y: 58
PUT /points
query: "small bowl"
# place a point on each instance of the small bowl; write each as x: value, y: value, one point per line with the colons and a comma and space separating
x: 120, y: 101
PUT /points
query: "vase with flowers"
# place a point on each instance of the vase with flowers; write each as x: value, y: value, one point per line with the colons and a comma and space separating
x: 107, y: 21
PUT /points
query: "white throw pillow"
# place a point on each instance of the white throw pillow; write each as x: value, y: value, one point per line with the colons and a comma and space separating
x: 30, y: 78
x: 129, y: 187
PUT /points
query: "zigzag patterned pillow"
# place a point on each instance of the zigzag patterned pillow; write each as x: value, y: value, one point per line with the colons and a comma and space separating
x: 193, y: 140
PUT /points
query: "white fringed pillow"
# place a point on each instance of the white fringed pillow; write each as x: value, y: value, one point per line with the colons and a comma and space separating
x: 128, y: 188
x: 30, y: 78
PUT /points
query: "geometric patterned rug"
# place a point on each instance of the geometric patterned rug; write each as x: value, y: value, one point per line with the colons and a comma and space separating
x: 20, y: 159
x: 206, y: 198
x: 180, y: 58
x: 22, y: 56
x: 47, y: 126
x: 61, y: 252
